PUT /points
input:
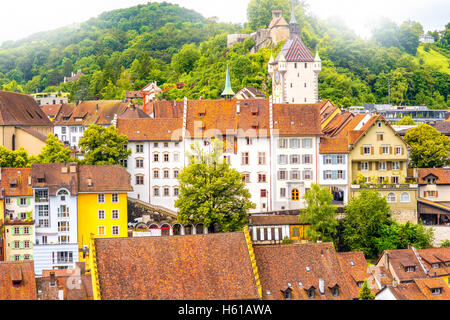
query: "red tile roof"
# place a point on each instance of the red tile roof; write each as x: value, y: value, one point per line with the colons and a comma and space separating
x: 104, y: 178
x: 23, y: 272
x: 442, y: 175
x: 20, y: 177
x: 333, y: 145
x: 194, y: 267
x: 51, y: 110
x: 54, y: 178
x: 151, y: 129
x: 273, y: 220
x: 354, y: 264
x: 166, y: 109
x: 297, y: 119
x: 295, y: 50
x: 440, y: 256
x: 283, y: 267
x: 399, y: 260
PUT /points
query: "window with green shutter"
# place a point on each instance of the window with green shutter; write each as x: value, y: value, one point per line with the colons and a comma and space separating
x: 31, y: 257
x: 21, y: 230
x: 12, y: 231
x: 28, y: 201
x: 22, y: 257
x: 22, y: 245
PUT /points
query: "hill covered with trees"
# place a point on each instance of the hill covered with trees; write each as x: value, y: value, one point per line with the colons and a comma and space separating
x: 122, y: 49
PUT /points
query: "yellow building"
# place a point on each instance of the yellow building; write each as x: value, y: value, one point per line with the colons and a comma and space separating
x: 378, y: 160
x: 102, y: 204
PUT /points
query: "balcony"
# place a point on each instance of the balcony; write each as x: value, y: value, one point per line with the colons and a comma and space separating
x: 387, y: 186
x: 40, y: 199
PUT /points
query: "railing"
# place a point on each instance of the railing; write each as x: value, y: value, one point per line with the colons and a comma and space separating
x: 384, y: 186
x: 40, y: 199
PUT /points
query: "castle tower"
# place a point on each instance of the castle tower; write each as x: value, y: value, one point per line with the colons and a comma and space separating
x: 295, y: 71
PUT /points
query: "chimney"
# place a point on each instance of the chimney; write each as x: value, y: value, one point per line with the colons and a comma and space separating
x: 96, y: 107
x: 321, y: 286
x: 52, y: 279
x: 89, y: 182
x: 29, y: 180
x: 64, y: 169
x: 238, y: 107
x: 73, y: 168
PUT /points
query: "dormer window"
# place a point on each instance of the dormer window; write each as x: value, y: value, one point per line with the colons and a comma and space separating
x: 360, y: 283
x: 410, y: 269
x: 16, y: 283
x: 335, y: 291
x: 287, y: 294
x: 311, y: 292
x: 436, y: 291
x: 431, y: 180
x: 435, y: 266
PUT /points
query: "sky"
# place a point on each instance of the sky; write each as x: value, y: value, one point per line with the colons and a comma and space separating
x: 21, y: 18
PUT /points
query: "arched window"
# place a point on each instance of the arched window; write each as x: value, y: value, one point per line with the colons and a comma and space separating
x: 199, y: 229
x: 188, y: 229
x: 405, y: 197
x: 153, y: 226
x: 165, y: 230
x: 391, y: 198
x: 295, y: 195
x: 176, y: 229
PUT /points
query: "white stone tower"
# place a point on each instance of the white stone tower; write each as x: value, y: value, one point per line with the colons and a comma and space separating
x: 295, y: 72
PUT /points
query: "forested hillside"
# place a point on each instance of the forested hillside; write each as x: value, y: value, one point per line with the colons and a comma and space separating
x: 122, y: 49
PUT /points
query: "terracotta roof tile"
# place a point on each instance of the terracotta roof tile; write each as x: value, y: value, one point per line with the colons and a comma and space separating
x: 21, y: 109
x: 54, y: 178
x: 442, y: 175
x: 51, y: 110
x: 273, y: 220
x: 20, y: 175
x: 166, y: 109
x: 439, y: 256
x: 22, y: 271
x: 401, y: 258
x: 297, y: 119
x: 295, y: 50
x: 150, y: 129
x: 281, y: 265
x: 194, y: 267
x: 355, y: 265
x: 333, y: 145
x: 427, y: 284
x: 103, y: 178
x: 100, y: 112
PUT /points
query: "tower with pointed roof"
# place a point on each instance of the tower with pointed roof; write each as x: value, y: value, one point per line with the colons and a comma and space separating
x: 295, y: 71
x: 228, y: 92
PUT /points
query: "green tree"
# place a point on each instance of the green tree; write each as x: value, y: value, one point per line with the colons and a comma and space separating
x: 430, y: 149
x: 319, y: 213
x: 54, y: 151
x: 445, y: 243
x: 406, y: 121
x: 184, y: 61
x: 365, y: 293
x: 259, y: 12
x: 14, y: 159
x: 103, y: 146
x: 211, y: 192
x: 365, y: 215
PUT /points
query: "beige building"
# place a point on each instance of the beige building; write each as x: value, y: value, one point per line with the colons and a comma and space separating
x: 378, y: 160
x: 22, y: 123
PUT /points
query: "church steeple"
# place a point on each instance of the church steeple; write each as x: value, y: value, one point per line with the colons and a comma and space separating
x: 294, y: 28
x: 228, y: 91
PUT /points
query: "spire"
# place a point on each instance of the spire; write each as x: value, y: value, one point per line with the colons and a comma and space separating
x: 294, y: 28
x: 228, y: 92
x: 271, y: 60
x: 317, y: 58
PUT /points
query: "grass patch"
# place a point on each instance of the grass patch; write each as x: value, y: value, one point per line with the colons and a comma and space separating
x: 434, y: 59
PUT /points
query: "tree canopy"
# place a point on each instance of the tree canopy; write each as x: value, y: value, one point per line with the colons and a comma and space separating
x: 211, y: 192
x: 54, y: 151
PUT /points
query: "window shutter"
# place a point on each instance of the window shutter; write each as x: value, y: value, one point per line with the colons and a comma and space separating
x: 31, y: 244
x: 21, y: 245
x: 334, y: 174
x: 359, y: 165
x: 370, y: 166
x: 343, y: 159
x: 22, y: 257
x: 362, y: 150
x: 343, y: 175
x: 372, y: 150
x: 28, y: 201
x: 381, y: 150
x: 21, y: 230
x: 324, y: 157
x: 403, y: 150
x: 31, y: 257
x: 378, y: 165
x: 12, y: 230
x: 324, y: 176
x: 424, y: 193
x: 389, y: 165
x: 390, y: 149
x: 18, y: 201
x: 400, y: 165
x: 334, y: 159
x: 12, y: 244
x: 437, y: 193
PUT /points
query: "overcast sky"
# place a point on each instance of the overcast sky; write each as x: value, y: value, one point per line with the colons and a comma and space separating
x: 21, y: 18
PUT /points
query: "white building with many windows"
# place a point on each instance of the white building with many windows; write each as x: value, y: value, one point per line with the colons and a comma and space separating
x: 55, y: 188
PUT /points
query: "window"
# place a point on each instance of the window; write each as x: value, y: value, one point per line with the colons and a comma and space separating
x: 166, y: 192
x: 311, y: 293
x: 166, y: 157
x: 436, y: 291
x: 156, y: 192
x: 63, y: 211
x: 295, y: 195
x: 295, y: 175
x: 42, y: 210
x: 261, y: 158
x: 391, y: 198
x: 382, y: 165
x: 175, y: 173
x: 328, y: 159
x: 115, y: 214
x: 139, y: 180
x: 63, y: 130
x: 282, y: 175
x: 101, y: 214
x: 16, y: 257
x: 366, y: 150
x: 139, y: 163
x: 307, y: 175
x: 248, y: 141
x: 115, y: 198
x: 63, y: 239
x: 101, y: 231
x: 175, y: 191
x: 307, y: 159
x: 430, y: 193
x: 282, y: 159
x: 328, y: 175
x: 340, y: 159
x: 405, y: 197
x: 166, y: 144
x: 282, y: 143
x: 244, y: 158
x: 176, y: 157
x: 261, y: 177
x: 379, y: 124
x: 287, y: 294
x: 410, y: 269
x: 23, y: 201
x: 155, y: 144
x: 156, y: 174
x: 306, y: 65
x: 394, y: 180
x: 294, y: 143
x: 396, y: 165
x: 282, y: 192
x: 307, y: 143
x: 263, y: 193
x: 364, y: 166
x: 246, y: 177
x: 155, y: 157
x: 123, y: 163
x: 16, y: 244
x: 360, y: 283
x: 380, y: 137
x: 335, y: 291
x: 398, y: 150
x: 295, y: 159
x: 340, y: 174
x: 63, y: 226
x: 139, y: 148
x: 385, y: 149
x: 435, y: 265
x: 26, y: 230
x: 8, y: 200
x: 166, y: 174
x: 101, y: 198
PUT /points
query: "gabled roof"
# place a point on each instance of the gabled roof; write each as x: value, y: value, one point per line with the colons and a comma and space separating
x: 333, y: 145
x: 337, y: 123
x: 21, y: 110
x: 436, y: 255
x: 22, y: 271
x: 99, y: 112
x: 65, y: 111
x: 250, y: 93
x: 167, y: 109
x: 442, y: 175
x: 276, y: 22
x: 51, y: 110
x: 54, y: 178
x: 20, y: 177
x: 260, y: 220
x: 132, y: 112
x: 191, y: 267
x: 285, y: 266
x: 103, y: 178
x: 354, y: 264
x: 150, y: 129
x: 297, y: 119
x: 295, y: 50
x: 401, y: 258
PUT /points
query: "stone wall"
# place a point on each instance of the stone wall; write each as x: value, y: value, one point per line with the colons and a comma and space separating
x: 441, y: 233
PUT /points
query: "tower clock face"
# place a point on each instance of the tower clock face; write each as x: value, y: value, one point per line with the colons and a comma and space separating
x: 277, y: 77
x: 277, y: 85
